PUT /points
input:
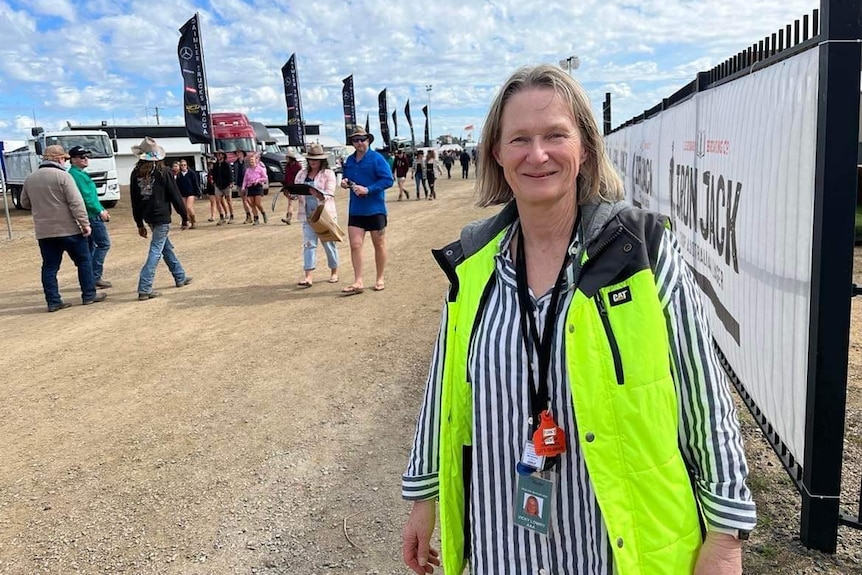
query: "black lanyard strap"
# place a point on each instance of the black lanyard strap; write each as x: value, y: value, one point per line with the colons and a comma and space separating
x: 538, y: 394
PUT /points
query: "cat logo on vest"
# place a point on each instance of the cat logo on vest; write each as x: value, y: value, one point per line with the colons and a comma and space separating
x: 620, y: 296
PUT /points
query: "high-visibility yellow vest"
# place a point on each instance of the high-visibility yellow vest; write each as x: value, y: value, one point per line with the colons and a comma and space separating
x: 623, y: 396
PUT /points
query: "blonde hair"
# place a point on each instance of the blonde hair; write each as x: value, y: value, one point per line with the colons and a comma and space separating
x: 597, y: 178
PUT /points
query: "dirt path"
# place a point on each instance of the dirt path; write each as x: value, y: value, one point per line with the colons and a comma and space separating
x: 238, y: 424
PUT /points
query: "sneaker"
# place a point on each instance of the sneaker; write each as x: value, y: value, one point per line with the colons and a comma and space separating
x: 220, y: 222
x: 99, y: 297
x: 265, y: 220
x: 58, y: 307
x: 230, y: 220
x: 285, y: 221
x: 146, y: 296
x: 247, y: 219
x: 185, y: 282
x: 210, y: 220
x: 103, y: 284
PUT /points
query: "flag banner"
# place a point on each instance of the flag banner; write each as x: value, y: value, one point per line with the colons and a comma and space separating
x: 427, y: 135
x: 410, y: 123
x: 395, y: 122
x: 383, y: 115
x: 468, y: 128
x: 295, y: 124
x: 349, y: 107
x: 367, y: 125
x: 195, y: 101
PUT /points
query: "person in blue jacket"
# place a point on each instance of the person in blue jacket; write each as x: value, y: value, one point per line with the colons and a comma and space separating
x: 367, y: 175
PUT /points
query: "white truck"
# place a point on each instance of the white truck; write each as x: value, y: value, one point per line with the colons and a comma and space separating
x: 21, y: 162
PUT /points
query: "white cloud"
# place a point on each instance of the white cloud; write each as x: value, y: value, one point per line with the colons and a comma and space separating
x: 116, y: 58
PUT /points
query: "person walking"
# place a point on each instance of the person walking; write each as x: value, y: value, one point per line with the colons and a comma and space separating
x: 291, y: 168
x: 98, y: 240
x: 574, y: 364
x: 432, y: 170
x: 252, y: 182
x: 153, y: 191
x: 223, y: 181
x: 322, y: 179
x: 61, y: 225
x: 210, y: 191
x: 448, y: 161
x: 367, y: 176
x: 189, y: 185
x: 419, y: 172
x: 401, y: 166
x: 465, y: 164
x: 239, y: 176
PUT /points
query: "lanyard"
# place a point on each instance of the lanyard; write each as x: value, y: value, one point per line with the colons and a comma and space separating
x: 538, y: 394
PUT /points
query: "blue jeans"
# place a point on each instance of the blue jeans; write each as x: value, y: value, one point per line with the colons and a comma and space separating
x: 160, y: 245
x: 52, y: 255
x: 100, y: 243
x: 420, y: 180
x: 309, y: 241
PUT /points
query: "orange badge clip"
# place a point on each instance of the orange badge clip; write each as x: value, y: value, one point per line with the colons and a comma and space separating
x: 549, y: 440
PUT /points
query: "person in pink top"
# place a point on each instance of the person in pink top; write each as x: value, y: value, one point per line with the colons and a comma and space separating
x: 322, y: 178
x: 252, y: 183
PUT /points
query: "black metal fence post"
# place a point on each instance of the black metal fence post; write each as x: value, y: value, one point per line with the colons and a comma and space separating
x: 840, y: 27
x: 606, y: 114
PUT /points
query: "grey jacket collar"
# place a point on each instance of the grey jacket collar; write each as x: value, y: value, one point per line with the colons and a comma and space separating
x: 594, y: 217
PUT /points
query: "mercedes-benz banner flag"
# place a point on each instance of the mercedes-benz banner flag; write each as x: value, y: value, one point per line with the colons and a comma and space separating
x: 195, y: 100
x: 295, y: 125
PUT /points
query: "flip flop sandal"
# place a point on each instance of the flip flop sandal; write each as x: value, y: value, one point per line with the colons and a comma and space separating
x: 351, y: 290
x: 304, y: 284
x: 333, y: 280
x: 379, y: 287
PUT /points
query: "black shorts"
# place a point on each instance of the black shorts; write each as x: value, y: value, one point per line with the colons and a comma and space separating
x: 374, y: 223
x: 255, y: 190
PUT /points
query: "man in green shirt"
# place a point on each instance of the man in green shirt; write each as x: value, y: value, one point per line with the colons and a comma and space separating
x: 99, y: 240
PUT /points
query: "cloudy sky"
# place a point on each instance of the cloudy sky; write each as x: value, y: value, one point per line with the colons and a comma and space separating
x: 85, y: 61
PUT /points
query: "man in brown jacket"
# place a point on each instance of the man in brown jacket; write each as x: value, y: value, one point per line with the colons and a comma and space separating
x: 61, y: 224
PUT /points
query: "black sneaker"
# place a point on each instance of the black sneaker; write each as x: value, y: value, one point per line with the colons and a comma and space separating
x: 146, y: 296
x: 99, y: 297
x: 58, y: 307
x: 185, y: 282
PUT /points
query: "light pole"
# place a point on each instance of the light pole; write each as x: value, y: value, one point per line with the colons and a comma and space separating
x: 430, y: 137
x: 570, y: 64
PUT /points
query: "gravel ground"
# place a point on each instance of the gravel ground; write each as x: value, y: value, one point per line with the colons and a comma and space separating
x: 243, y: 425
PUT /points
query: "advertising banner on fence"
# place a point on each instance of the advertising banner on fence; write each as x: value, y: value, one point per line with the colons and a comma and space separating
x: 295, y: 126
x: 740, y: 198
x: 349, y: 107
x: 195, y: 100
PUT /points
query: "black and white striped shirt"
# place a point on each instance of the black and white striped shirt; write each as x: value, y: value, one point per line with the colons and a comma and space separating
x: 577, y: 543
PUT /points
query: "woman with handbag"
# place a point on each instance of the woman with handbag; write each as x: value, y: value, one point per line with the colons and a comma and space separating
x: 321, y: 180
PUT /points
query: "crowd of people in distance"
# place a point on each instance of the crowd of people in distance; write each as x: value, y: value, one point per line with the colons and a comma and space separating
x: 425, y: 167
x: 69, y: 218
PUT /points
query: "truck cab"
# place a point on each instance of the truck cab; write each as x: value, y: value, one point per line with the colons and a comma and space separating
x: 22, y: 162
x: 233, y: 132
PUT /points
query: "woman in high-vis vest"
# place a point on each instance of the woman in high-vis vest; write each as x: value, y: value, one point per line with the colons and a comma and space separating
x: 576, y: 420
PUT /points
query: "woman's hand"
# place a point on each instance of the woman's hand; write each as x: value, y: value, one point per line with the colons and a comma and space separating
x: 416, y: 548
x: 720, y: 554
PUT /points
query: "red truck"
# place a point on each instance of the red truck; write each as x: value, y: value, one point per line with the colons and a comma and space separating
x: 233, y: 132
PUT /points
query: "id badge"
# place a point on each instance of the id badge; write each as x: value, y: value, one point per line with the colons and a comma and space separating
x: 530, y: 459
x: 533, y: 501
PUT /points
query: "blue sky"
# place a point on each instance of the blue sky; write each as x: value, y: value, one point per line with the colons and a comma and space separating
x: 86, y: 61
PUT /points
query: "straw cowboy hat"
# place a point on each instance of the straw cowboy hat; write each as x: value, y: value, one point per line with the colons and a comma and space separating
x: 149, y: 150
x: 360, y: 131
x: 55, y: 151
x: 316, y: 152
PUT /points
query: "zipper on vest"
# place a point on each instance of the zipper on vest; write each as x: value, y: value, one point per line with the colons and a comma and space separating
x: 612, y: 340
x: 580, y: 268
